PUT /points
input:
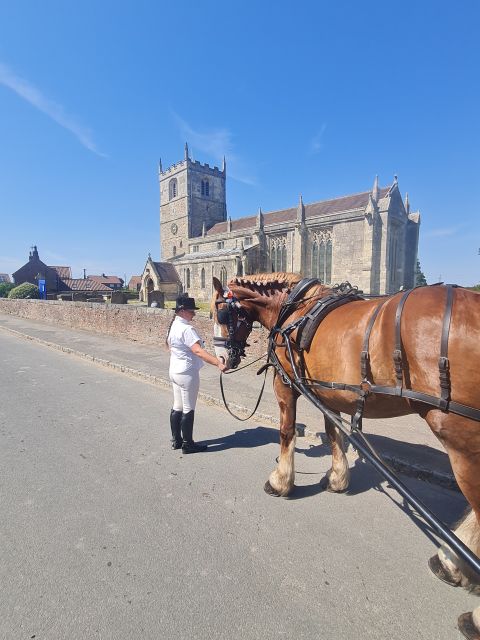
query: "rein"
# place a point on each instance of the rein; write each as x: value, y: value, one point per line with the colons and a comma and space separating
x: 263, y: 368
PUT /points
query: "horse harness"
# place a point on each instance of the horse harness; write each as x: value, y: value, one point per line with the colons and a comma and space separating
x: 307, y: 324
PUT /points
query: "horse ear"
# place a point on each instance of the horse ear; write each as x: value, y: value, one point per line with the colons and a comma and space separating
x: 217, y: 285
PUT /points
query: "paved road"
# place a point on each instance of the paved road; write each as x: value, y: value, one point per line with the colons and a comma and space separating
x: 106, y: 533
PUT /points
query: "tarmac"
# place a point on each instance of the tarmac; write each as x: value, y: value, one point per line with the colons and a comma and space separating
x: 406, y: 443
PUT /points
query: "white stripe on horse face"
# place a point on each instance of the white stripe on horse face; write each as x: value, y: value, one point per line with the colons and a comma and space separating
x: 220, y: 352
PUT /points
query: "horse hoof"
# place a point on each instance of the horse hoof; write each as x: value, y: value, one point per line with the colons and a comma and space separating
x: 437, y: 568
x: 466, y: 626
x: 325, y: 486
x: 267, y: 487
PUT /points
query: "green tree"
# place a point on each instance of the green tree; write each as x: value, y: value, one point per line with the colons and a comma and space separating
x: 25, y: 290
x: 420, y: 280
x: 5, y: 287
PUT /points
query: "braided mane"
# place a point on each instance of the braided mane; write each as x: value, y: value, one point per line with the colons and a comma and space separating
x: 263, y: 282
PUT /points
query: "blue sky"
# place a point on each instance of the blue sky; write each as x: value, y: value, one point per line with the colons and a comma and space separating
x: 307, y: 97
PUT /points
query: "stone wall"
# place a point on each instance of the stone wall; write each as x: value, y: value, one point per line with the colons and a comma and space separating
x: 142, y: 324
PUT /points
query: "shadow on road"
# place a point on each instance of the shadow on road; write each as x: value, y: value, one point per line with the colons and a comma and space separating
x: 244, y: 438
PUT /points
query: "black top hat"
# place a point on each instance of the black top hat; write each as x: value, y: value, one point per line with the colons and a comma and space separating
x: 184, y: 302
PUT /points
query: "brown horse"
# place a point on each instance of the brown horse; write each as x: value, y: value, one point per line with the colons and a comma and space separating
x: 334, y: 355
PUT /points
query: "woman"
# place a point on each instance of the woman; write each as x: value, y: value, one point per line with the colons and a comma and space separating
x: 186, y: 359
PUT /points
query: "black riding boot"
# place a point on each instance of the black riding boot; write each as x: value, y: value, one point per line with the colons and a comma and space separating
x: 176, y: 427
x: 189, y: 445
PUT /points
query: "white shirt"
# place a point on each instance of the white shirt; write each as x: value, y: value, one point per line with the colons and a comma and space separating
x: 181, y: 339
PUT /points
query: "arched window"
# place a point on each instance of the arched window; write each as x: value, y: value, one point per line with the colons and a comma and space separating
x: 223, y: 276
x: 202, y: 278
x: 172, y: 188
x: 274, y: 266
x: 187, y: 279
x: 174, y: 250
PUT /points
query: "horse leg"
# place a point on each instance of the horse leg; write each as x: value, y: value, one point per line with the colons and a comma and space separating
x: 338, y: 476
x: 469, y: 624
x: 461, y: 438
x: 281, y: 480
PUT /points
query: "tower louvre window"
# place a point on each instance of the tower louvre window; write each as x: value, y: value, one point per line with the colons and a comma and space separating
x: 205, y: 188
x: 172, y: 188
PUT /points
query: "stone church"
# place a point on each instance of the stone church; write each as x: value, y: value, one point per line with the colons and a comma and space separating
x: 368, y: 238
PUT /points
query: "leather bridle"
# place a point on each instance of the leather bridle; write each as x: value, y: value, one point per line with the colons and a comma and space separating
x: 234, y: 317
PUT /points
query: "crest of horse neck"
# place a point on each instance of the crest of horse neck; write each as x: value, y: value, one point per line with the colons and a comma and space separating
x: 265, y: 309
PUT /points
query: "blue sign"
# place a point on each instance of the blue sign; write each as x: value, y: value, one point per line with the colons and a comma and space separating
x: 42, y: 288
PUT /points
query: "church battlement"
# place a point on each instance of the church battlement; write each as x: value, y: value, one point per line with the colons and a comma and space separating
x: 206, y: 167
x: 172, y: 168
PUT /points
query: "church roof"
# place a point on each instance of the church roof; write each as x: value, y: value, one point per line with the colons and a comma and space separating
x: 166, y: 272
x: 218, y: 253
x: 316, y: 209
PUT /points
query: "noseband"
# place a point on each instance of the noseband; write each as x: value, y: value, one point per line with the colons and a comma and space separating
x: 234, y: 317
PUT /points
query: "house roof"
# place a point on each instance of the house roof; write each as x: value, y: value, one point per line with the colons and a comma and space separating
x: 107, y: 279
x: 81, y: 284
x: 316, y: 209
x: 134, y: 280
x: 166, y: 272
x: 62, y: 272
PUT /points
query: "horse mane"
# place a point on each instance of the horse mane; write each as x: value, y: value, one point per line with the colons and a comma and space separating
x: 264, y: 283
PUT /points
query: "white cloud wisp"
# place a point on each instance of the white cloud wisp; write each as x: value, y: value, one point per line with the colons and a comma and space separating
x: 53, y: 110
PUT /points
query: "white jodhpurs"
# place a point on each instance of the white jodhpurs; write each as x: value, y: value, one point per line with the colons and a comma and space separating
x: 185, y: 390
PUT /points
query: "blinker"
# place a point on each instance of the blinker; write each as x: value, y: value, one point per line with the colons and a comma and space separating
x: 222, y: 316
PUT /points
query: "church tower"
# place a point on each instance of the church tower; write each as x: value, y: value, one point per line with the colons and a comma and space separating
x: 192, y: 198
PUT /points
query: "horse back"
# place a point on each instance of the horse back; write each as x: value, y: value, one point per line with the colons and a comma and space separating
x: 334, y: 354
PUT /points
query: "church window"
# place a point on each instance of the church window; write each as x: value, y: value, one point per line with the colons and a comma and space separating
x: 223, y: 276
x: 314, y: 270
x: 172, y: 188
x: 283, y: 258
x: 195, y: 248
x: 278, y: 254
x: 187, y: 279
x: 247, y: 242
x: 174, y: 250
x: 321, y: 266
x: 205, y: 188
x: 221, y: 244
x: 328, y: 262
x: 321, y: 262
x: 202, y: 278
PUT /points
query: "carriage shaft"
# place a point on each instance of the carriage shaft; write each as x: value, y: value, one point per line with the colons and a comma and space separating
x: 440, y: 529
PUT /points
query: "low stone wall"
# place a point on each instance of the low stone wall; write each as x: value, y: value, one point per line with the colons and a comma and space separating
x: 142, y: 324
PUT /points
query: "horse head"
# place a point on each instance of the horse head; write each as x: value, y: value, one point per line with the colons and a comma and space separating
x: 232, y: 325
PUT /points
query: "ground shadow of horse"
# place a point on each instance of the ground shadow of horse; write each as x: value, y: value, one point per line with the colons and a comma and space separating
x: 244, y: 439
x: 365, y: 478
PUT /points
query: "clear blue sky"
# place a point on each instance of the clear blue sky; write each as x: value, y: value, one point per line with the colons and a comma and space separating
x: 311, y: 97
